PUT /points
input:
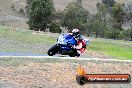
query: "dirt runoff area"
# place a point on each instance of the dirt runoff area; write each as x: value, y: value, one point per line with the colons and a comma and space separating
x: 56, y: 73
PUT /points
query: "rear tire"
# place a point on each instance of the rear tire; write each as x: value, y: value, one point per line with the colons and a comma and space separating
x: 73, y: 53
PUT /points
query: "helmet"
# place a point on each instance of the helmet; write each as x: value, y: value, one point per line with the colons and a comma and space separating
x: 75, y: 33
x: 75, y: 30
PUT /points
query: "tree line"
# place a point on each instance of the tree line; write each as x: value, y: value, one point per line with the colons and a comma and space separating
x: 106, y: 23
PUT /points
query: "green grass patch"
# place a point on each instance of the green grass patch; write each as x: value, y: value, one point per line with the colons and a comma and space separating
x: 117, y: 49
x: 5, y: 61
x: 17, y: 61
x: 26, y: 36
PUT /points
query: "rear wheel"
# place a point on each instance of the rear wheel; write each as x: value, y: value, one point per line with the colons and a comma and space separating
x: 73, y: 53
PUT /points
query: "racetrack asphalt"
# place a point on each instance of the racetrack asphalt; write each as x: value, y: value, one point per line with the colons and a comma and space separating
x: 32, y: 55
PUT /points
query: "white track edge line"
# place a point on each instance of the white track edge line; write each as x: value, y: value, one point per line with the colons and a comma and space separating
x: 68, y: 58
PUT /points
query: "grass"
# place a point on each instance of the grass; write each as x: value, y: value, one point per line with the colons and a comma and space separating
x: 17, y: 61
x: 26, y: 36
x: 114, y: 48
x: 20, y: 40
x: 6, y: 61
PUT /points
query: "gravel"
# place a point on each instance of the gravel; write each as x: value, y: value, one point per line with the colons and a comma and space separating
x: 60, y: 74
x: 5, y: 84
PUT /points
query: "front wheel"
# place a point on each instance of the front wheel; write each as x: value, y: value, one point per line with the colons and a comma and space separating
x: 52, y: 51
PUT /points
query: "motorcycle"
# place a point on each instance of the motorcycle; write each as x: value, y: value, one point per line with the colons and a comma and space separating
x: 64, y: 46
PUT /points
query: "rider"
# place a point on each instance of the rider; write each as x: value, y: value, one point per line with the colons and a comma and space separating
x: 81, y: 43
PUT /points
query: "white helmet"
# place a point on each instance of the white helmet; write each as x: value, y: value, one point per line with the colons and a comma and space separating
x: 75, y: 30
x: 75, y: 33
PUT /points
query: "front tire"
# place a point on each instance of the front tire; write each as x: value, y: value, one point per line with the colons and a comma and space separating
x: 52, y: 51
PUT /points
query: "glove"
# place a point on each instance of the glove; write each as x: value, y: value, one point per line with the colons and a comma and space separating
x: 74, y: 47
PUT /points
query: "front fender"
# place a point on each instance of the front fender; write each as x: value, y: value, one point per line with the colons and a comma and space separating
x: 55, y: 47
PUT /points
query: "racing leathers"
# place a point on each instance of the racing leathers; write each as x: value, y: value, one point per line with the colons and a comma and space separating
x: 81, y: 46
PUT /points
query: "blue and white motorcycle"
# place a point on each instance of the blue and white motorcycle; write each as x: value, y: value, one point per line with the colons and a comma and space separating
x: 64, y: 46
